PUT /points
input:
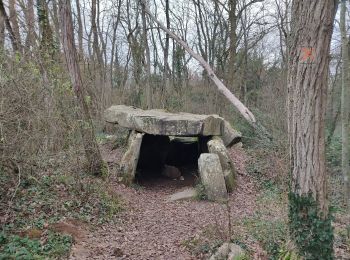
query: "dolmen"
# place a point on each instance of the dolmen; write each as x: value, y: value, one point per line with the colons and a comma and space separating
x: 153, y: 133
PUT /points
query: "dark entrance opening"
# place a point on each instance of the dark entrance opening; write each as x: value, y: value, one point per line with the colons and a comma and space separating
x: 158, y: 150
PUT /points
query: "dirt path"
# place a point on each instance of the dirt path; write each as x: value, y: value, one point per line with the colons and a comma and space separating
x: 153, y: 228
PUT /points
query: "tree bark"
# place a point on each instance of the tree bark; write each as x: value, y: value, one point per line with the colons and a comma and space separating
x: 114, y: 55
x: 166, y: 56
x: 46, y: 42
x: 312, y: 27
x: 233, y: 44
x: 333, y: 124
x: 14, y: 40
x: 2, y: 31
x: 95, y: 45
x: 92, y: 152
x: 30, y: 21
x: 80, y: 29
x: 14, y: 20
x: 55, y: 20
x: 345, y: 98
x: 147, y: 58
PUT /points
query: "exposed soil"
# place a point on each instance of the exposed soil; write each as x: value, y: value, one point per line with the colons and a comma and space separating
x: 153, y: 228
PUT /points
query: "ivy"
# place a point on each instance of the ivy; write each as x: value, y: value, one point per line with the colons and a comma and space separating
x: 312, y: 233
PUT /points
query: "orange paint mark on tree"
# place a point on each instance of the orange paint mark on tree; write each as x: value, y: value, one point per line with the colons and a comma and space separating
x: 307, y: 54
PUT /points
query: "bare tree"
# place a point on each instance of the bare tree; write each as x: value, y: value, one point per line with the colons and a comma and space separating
x: 312, y: 26
x: 14, y: 40
x: 30, y: 20
x: 46, y: 41
x: 233, y: 43
x: 147, y: 58
x: 95, y: 45
x: 93, y: 155
x: 114, y: 63
x: 166, y: 51
x: 345, y: 105
x: 14, y: 19
x: 2, y: 30
x: 80, y: 28
x: 53, y: 14
x: 245, y: 112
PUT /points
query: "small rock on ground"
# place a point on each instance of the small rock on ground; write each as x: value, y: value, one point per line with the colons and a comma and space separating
x: 227, y: 251
x: 189, y: 193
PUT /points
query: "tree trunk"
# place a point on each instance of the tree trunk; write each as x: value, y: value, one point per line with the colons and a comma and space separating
x: 80, y: 29
x: 233, y: 45
x: 333, y: 124
x: 93, y: 155
x: 345, y: 99
x: 114, y: 48
x: 147, y: 58
x: 312, y: 23
x: 166, y: 56
x: 14, y: 20
x: 55, y: 20
x: 30, y: 21
x: 2, y: 31
x: 46, y: 42
x: 14, y: 40
x: 95, y: 45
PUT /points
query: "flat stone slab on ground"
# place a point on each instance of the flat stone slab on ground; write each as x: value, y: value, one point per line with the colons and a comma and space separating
x: 189, y: 193
x: 160, y: 122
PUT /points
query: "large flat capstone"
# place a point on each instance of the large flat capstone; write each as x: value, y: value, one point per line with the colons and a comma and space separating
x: 160, y: 122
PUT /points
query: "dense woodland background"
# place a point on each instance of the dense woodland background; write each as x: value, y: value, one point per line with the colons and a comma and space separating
x: 122, y: 55
x: 125, y: 58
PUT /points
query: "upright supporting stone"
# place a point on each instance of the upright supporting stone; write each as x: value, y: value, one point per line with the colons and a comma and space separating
x: 212, y: 176
x: 216, y: 146
x: 229, y: 135
x: 130, y: 159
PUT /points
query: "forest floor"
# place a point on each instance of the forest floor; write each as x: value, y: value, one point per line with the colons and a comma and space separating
x: 62, y: 213
x: 155, y: 228
x: 152, y: 227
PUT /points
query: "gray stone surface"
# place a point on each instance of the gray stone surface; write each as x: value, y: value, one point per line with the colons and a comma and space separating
x: 229, y: 135
x: 130, y: 159
x: 216, y: 146
x: 159, y: 122
x: 236, y: 252
x: 212, y: 177
x: 227, y: 251
x: 189, y: 193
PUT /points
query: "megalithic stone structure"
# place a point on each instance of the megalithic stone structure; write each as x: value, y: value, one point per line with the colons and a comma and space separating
x: 213, y: 132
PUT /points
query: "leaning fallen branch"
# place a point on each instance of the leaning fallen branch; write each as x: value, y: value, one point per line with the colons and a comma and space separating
x: 245, y: 112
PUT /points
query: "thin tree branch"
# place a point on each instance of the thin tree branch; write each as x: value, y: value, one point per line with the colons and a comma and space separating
x: 245, y: 112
